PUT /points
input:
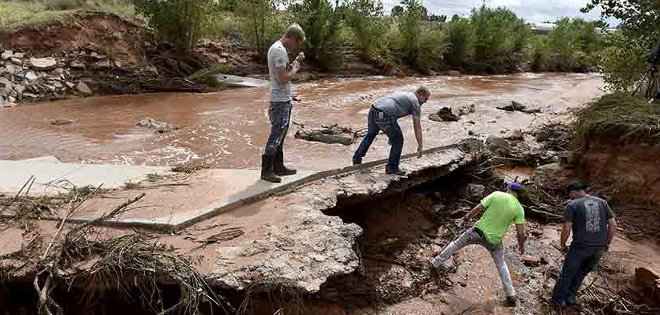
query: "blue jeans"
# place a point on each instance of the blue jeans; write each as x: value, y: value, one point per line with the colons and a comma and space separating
x: 578, y: 263
x: 376, y: 122
x: 279, y: 114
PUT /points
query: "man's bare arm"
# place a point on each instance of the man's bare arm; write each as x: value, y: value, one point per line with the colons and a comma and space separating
x: 611, y: 230
x: 285, y: 76
x: 565, y: 233
x: 474, y: 212
x: 418, y: 134
x: 520, y: 234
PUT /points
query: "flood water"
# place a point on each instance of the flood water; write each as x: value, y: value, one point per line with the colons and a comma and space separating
x: 228, y: 129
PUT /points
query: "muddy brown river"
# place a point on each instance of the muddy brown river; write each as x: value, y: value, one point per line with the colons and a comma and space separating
x: 228, y: 129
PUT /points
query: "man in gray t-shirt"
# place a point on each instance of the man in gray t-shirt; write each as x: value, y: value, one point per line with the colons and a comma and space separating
x: 593, y: 225
x: 279, y: 112
x: 383, y: 116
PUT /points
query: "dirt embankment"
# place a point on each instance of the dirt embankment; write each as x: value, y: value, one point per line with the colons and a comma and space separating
x: 90, y: 53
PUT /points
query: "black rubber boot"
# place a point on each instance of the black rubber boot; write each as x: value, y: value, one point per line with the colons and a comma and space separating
x: 279, y: 168
x: 267, y: 172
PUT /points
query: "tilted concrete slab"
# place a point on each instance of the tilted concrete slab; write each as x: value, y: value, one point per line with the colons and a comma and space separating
x: 50, y: 175
x: 171, y: 204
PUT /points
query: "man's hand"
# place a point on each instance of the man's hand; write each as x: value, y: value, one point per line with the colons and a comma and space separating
x: 295, y: 66
x: 564, y: 249
x: 420, y: 151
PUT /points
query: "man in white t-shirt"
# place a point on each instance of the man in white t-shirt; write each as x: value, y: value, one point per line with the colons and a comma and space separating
x: 279, y: 112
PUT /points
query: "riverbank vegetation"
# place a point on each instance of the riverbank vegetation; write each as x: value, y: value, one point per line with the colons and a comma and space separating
x: 489, y: 40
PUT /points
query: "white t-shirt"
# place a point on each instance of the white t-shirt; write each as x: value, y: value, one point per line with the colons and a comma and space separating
x: 278, y: 59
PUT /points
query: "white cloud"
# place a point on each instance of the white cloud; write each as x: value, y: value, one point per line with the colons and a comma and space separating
x: 530, y: 10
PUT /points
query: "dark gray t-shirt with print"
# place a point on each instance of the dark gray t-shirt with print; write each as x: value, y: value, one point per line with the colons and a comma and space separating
x: 589, y: 216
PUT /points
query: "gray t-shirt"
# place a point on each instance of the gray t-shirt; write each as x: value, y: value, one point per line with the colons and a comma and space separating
x: 399, y: 104
x: 589, y: 216
x: 278, y: 59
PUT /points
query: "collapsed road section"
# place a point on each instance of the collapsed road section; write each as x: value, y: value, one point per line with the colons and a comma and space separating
x: 291, y: 240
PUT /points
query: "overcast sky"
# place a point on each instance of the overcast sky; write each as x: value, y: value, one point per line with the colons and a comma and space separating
x: 530, y: 10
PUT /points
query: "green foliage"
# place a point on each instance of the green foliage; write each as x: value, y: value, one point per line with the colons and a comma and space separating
x: 181, y: 22
x: 37, y: 12
x: 620, y: 115
x: 573, y: 46
x: 365, y: 18
x: 539, y: 53
x: 640, y: 17
x: 257, y: 14
x: 458, y: 36
x: 623, y: 61
x: 321, y: 22
x: 499, y: 39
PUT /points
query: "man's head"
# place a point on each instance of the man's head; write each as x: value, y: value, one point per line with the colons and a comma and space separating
x: 293, y: 37
x: 514, y: 188
x: 576, y: 189
x: 422, y: 94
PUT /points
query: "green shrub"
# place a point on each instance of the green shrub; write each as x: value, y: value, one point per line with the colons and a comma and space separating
x: 257, y: 14
x: 539, y: 54
x: 623, y: 61
x: 365, y: 19
x: 321, y: 22
x: 574, y: 46
x: 499, y: 39
x: 458, y: 37
x: 181, y: 22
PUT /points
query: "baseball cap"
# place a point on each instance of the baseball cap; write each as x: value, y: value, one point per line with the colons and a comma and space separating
x: 575, y: 185
x: 515, y: 186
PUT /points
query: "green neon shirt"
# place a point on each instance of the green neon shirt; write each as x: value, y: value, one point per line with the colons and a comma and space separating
x: 500, y: 210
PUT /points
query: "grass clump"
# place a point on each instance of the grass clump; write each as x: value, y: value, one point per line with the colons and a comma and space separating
x: 622, y: 116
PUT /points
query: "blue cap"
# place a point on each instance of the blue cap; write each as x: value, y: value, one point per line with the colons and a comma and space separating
x: 515, y: 186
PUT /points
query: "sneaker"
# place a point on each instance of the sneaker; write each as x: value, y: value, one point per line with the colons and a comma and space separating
x: 397, y: 171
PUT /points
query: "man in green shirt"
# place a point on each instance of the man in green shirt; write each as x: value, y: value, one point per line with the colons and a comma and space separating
x: 500, y: 209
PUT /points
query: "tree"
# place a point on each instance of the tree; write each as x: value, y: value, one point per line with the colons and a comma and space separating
x: 365, y: 18
x: 438, y: 18
x: 640, y: 17
x: 397, y: 11
x: 180, y: 22
x: 257, y: 14
x: 321, y: 22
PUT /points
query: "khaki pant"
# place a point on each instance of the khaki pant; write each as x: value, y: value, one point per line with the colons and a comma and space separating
x: 471, y: 237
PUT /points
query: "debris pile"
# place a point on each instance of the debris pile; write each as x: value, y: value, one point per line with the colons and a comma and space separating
x: 331, y: 134
x: 157, y: 126
x: 515, y: 106
x: 446, y: 113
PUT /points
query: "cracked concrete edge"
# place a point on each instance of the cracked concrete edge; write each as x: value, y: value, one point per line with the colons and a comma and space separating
x: 313, y: 246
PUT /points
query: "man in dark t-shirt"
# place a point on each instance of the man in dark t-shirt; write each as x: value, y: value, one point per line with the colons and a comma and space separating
x: 592, y: 223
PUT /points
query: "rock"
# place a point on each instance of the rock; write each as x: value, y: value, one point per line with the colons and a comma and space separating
x: 475, y: 191
x: 329, y: 134
x: 43, y: 64
x: 30, y: 95
x: 11, y: 99
x: 531, y: 261
x: 158, y: 126
x: 50, y: 88
x: 77, y: 64
x: 568, y: 159
x: 31, y: 75
x: 552, y: 167
x: 19, y: 55
x: 454, y: 73
x: 83, y: 88
x: 97, y: 56
x: 7, y: 54
x: 499, y: 146
x: 469, y: 109
x: 516, y: 135
x: 16, y: 61
x: 57, y: 84
x: 61, y: 122
x: 444, y: 114
x: 103, y: 65
x: 647, y: 284
x: 69, y: 84
x: 151, y: 70
x: 472, y: 145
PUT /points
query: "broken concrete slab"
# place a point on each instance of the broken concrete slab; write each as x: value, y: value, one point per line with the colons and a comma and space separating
x: 308, y: 247
x: 330, y: 134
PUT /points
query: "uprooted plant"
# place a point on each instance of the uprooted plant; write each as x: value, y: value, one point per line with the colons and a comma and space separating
x: 84, y: 254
